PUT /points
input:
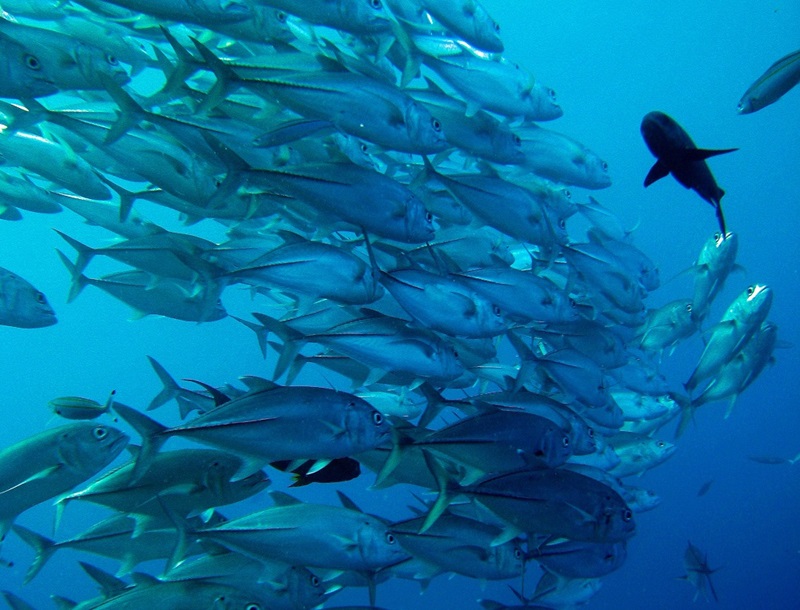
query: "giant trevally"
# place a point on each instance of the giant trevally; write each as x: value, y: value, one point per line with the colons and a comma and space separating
x: 169, y: 297
x: 713, y: 266
x: 678, y: 155
x: 21, y: 305
x: 461, y: 545
x: 51, y: 462
x: 725, y: 339
x: 313, y: 535
x: 779, y: 78
x: 698, y: 572
x: 274, y: 423
x: 551, y: 501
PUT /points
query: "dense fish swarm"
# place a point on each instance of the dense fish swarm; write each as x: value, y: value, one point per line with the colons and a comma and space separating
x: 401, y: 220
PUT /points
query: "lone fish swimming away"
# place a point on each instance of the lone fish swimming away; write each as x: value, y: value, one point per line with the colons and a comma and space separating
x: 678, y: 155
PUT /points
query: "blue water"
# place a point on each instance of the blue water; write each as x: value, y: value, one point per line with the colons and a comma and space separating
x: 611, y: 63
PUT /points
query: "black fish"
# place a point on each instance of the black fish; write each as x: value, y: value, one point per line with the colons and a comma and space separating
x: 340, y: 469
x: 704, y: 488
x: 678, y: 155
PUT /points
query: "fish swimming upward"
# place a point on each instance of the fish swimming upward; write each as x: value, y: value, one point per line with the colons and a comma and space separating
x: 678, y: 155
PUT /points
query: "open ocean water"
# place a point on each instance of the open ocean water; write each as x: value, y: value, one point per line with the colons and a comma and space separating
x: 610, y: 64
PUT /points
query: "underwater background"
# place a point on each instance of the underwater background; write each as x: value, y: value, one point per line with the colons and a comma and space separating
x: 610, y: 63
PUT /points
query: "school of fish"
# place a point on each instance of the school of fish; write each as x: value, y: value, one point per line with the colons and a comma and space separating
x: 400, y: 217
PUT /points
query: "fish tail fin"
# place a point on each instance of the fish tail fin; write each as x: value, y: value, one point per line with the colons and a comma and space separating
x: 687, y: 415
x: 17, y: 603
x: 225, y: 77
x: 436, y: 402
x: 183, y: 530
x: 261, y: 332
x: 130, y: 111
x: 170, y: 389
x: 152, y: 434
x: 400, y: 440
x: 292, y: 342
x: 448, y: 489
x: 79, y: 281
x: 185, y: 66
x: 85, y: 253
x: 126, y: 197
x: 62, y: 603
x: 42, y: 546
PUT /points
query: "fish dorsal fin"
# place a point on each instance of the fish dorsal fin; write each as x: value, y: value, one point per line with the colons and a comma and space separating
x: 109, y: 584
x: 219, y: 397
x: 347, y: 502
x: 281, y: 498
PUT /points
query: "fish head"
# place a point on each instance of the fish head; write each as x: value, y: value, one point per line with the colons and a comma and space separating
x: 548, y: 107
x: 486, y: 31
x: 595, y: 170
x: 27, y: 305
x: 95, y: 64
x: 227, y: 11
x: 303, y: 589
x: 616, y: 520
x: 365, y: 16
x: 507, y: 559
x: 746, y: 105
x: 377, y: 544
x: 87, y: 448
x: 30, y: 73
x: 419, y: 222
x: 366, y: 427
x: 661, y: 134
x: 507, y: 147
x: 423, y: 130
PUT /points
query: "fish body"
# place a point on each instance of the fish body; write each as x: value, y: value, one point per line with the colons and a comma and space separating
x: 698, y: 572
x: 556, y: 502
x: 21, y: 304
x: 573, y: 559
x: 726, y: 339
x: 312, y: 535
x: 444, y: 303
x: 52, y: 462
x: 275, y: 423
x: 714, y: 264
x: 677, y: 154
x: 779, y: 78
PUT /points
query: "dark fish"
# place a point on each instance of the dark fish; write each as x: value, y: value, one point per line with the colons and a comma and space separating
x: 678, y: 155
x: 704, y: 488
x: 336, y: 471
x: 698, y: 573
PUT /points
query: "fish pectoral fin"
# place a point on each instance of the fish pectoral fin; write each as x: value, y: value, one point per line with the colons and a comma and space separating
x: 508, y: 533
x: 657, y: 172
x: 700, y: 154
x: 336, y: 430
x: 34, y: 477
x: 347, y: 543
x: 318, y: 465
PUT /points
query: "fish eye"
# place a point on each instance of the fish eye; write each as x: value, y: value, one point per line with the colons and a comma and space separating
x: 605, y: 166
x: 100, y: 433
x: 517, y: 139
x: 40, y: 298
x: 376, y: 4
x: 33, y: 62
x: 377, y: 418
x: 112, y: 60
x: 562, y: 224
x: 661, y: 444
x: 496, y: 310
x: 565, y: 441
x: 314, y: 581
x: 428, y: 217
x: 688, y: 308
x: 455, y: 352
x: 590, y: 432
x: 627, y: 515
x: 364, y: 148
x: 252, y: 607
x: 437, y: 126
x: 572, y: 303
x: 497, y: 27
x: 390, y: 538
x: 567, y: 194
x: 552, y: 94
x: 280, y: 16
x: 517, y: 553
x: 750, y: 291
